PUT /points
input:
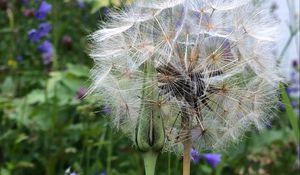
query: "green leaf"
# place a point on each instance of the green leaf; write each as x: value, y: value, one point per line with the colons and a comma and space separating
x: 36, y: 96
x: 4, y: 172
x: 97, y: 4
x: 21, y: 138
x: 8, y: 86
x: 24, y: 164
x: 78, y: 70
x: 290, y: 112
x: 72, y: 83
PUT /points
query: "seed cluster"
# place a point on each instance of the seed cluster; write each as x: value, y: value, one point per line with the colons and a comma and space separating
x: 214, y: 70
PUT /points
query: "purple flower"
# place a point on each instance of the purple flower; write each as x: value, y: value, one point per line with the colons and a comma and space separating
x: 81, y: 4
x: 34, y: 35
x: 212, y: 159
x: 47, y: 58
x: 44, y: 29
x: 294, y: 104
x: 46, y: 49
x: 291, y: 90
x: 195, y: 156
x: 101, y: 173
x: 73, y: 173
x: 43, y: 10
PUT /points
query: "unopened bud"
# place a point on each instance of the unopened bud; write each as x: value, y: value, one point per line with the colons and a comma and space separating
x: 150, y: 134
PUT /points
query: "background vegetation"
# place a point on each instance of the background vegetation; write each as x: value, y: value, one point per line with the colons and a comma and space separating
x: 48, y: 128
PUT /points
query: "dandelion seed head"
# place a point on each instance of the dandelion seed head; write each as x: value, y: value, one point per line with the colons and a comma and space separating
x: 215, y: 72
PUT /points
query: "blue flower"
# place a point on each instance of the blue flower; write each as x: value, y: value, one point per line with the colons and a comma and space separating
x: 34, y: 35
x: 81, y: 4
x: 44, y: 29
x: 101, y: 173
x: 73, y: 173
x: 212, y: 159
x: 292, y: 90
x: 43, y: 10
x: 294, y: 104
x: 195, y: 156
x: 46, y: 49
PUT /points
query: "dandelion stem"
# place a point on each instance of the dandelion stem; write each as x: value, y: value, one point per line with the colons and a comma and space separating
x: 150, y: 159
x: 187, y: 144
x: 186, y: 156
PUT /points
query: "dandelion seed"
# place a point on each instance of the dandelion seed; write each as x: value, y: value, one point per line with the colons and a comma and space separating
x: 214, y: 70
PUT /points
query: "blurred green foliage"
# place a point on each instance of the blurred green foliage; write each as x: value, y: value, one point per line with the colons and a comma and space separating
x: 45, y: 127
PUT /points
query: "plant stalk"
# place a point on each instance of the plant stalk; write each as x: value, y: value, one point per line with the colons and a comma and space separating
x: 187, y: 156
x: 150, y: 159
x: 187, y: 143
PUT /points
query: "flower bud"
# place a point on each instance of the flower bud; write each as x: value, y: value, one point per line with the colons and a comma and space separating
x: 150, y: 129
x: 67, y: 41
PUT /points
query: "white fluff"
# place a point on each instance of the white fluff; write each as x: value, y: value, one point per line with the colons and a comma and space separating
x: 223, y: 45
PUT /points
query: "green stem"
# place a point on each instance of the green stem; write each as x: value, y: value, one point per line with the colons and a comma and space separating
x: 109, y: 152
x: 290, y: 112
x: 169, y: 163
x: 150, y: 159
x: 56, y: 33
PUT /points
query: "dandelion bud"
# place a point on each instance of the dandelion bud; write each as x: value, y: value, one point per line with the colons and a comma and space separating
x: 149, y: 134
x: 150, y: 131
